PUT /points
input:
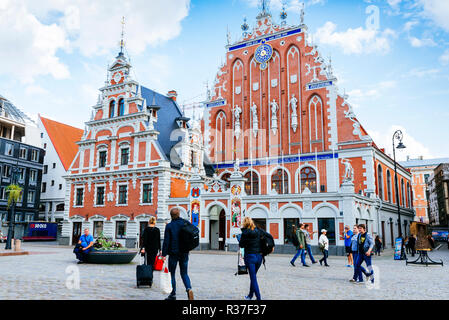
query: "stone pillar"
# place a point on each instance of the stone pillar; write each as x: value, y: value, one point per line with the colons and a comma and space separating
x: 163, y: 216
x: 347, y: 190
x: 196, y: 205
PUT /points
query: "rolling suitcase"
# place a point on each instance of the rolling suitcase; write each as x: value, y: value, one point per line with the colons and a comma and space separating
x: 241, y: 267
x: 144, y: 274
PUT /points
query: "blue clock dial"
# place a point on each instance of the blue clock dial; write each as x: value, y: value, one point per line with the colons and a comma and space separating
x: 263, y: 54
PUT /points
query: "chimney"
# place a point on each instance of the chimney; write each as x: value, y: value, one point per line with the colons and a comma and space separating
x: 421, y: 157
x: 172, y: 94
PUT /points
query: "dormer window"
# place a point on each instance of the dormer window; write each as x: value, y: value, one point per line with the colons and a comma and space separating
x: 182, y: 122
x: 112, y: 109
x: 121, y: 107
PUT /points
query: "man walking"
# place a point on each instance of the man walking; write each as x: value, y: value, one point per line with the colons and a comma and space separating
x: 301, y: 247
x: 348, y: 236
x: 357, y: 277
x: 171, y: 248
x: 323, y: 242
x: 365, y: 245
x: 308, y: 243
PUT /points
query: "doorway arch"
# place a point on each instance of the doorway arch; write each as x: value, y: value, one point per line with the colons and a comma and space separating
x: 217, y: 227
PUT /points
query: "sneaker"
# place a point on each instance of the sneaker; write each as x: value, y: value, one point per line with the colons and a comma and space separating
x: 190, y: 294
x: 292, y: 263
x: 369, y: 276
x: 359, y: 282
x: 80, y: 262
x: 171, y: 297
x: 248, y: 298
x: 305, y: 265
x: 314, y: 262
x: 326, y: 265
x: 352, y: 280
x: 348, y: 265
x: 321, y: 263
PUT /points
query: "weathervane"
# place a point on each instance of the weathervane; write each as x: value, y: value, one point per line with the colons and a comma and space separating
x: 122, y: 41
x: 264, y: 8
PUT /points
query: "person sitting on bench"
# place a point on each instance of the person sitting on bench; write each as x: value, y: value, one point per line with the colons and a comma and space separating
x: 84, y: 246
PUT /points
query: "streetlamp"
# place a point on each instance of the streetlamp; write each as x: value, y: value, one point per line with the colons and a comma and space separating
x: 398, y: 136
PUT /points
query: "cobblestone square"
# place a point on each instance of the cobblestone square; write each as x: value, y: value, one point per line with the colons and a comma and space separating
x: 47, y: 272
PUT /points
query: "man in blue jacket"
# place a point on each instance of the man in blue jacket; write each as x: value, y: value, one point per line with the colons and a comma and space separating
x: 171, y: 248
x: 84, y: 246
x: 365, y: 245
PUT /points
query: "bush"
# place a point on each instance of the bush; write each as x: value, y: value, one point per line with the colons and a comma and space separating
x: 103, y: 243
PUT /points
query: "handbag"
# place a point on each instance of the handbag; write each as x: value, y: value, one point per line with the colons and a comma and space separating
x: 158, y: 263
x: 162, y: 281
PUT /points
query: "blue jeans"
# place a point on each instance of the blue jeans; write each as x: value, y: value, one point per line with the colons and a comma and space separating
x: 309, y: 252
x: 183, y: 259
x: 253, y: 261
x: 324, y: 258
x: 360, y: 258
x: 81, y: 254
x: 358, y: 270
x: 302, y: 253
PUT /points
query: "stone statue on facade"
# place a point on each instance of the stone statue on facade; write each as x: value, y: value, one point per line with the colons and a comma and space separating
x: 274, y: 118
x: 294, y: 106
x: 237, y: 113
x: 349, y: 171
x: 255, y: 119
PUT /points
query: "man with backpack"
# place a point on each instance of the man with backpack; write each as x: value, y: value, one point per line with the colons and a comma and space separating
x: 180, y: 237
x: 300, y: 246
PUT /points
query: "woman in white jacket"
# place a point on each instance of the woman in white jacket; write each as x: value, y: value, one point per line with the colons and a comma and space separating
x: 323, y: 242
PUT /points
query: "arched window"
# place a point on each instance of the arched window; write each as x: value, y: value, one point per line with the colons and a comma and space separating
x: 389, y: 186
x: 380, y: 182
x: 308, y: 179
x: 316, y: 121
x: 225, y: 178
x: 121, y: 107
x: 112, y: 109
x: 220, y: 127
x: 403, y: 192
x: 252, y: 183
x: 279, y: 181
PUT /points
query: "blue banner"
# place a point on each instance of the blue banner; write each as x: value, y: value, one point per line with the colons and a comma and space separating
x: 319, y: 85
x: 398, y: 249
x: 218, y: 103
x: 270, y: 38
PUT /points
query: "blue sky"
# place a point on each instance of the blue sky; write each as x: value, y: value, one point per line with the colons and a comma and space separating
x: 395, y: 72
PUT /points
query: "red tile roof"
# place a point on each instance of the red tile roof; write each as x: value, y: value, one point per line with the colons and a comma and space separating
x: 64, y: 138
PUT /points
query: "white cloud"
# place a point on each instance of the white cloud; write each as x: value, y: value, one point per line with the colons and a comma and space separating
x: 394, y: 3
x: 438, y: 11
x: 29, y: 47
x: 414, y: 148
x: 444, y: 58
x: 355, y: 41
x: 417, y: 43
x: 35, y: 90
x: 35, y: 32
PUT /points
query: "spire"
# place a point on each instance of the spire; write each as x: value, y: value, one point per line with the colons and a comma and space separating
x: 264, y: 8
x: 122, y: 40
x: 302, y: 13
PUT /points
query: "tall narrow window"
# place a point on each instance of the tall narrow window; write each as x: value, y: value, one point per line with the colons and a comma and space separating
x: 79, y: 197
x: 147, y: 193
x: 112, y: 109
x: 403, y: 192
x: 31, y: 196
x: 102, y: 159
x: 252, y: 183
x: 308, y: 179
x: 100, y: 196
x: 122, y: 194
x: 380, y: 182
x: 98, y: 228
x: 389, y: 186
x: 409, y: 196
x: 121, y: 107
x: 279, y: 181
x: 124, y: 156
x: 120, y: 230
x: 220, y: 127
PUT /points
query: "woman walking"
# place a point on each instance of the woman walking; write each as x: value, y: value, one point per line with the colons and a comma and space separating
x: 250, y: 241
x: 323, y: 242
x: 378, y: 244
x: 151, y: 244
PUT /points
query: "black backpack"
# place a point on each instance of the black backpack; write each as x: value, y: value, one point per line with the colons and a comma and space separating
x: 189, y: 237
x: 266, y: 243
x: 295, y: 240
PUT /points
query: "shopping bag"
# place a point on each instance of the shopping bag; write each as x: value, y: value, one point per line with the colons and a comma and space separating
x: 162, y: 281
x: 158, y: 263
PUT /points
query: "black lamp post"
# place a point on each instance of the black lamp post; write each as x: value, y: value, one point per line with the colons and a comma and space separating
x: 398, y: 136
x: 12, y: 220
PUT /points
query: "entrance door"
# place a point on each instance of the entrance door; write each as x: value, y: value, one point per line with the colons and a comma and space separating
x: 329, y: 225
x: 222, y: 231
x: 383, y: 234
x: 261, y: 223
x: 76, y: 233
x: 142, y: 227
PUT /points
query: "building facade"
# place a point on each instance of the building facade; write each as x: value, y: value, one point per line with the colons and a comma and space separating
x: 137, y: 151
x: 287, y: 147
x: 422, y: 169
x: 22, y: 156
x: 59, y: 141
x: 439, y: 196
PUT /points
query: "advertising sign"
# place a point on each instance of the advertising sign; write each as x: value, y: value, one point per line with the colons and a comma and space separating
x: 397, y: 248
x: 440, y: 235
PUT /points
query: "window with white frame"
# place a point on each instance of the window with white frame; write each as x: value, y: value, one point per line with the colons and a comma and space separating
x: 120, y: 229
x: 147, y: 193
x: 34, y: 155
x: 100, y: 195
x: 23, y: 153
x: 79, y: 196
x: 33, y: 175
x: 31, y: 196
x: 21, y: 174
x: 124, y: 156
x: 6, y: 171
x: 2, y: 193
x: 9, y: 149
x: 102, y: 157
x: 123, y: 194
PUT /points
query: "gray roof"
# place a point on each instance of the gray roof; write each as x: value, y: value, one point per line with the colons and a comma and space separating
x: 8, y: 110
x: 424, y: 162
